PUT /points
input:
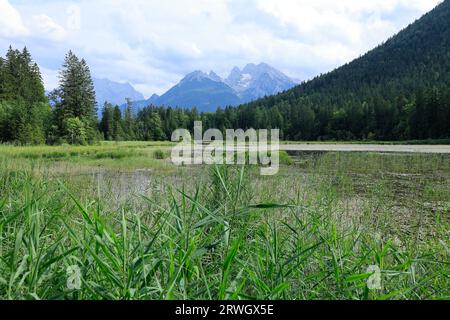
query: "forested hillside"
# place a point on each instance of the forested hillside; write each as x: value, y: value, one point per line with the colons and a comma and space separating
x: 398, y: 90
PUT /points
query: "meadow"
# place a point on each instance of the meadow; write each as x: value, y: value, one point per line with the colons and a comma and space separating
x: 120, y: 221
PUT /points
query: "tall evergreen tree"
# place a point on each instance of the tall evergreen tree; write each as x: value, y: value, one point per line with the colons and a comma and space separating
x: 77, y: 97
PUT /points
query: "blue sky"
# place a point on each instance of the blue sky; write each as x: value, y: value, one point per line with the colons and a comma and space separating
x: 152, y: 44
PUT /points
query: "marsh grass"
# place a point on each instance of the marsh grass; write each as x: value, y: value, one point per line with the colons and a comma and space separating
x: 225, y: 232
x: 108, y: 155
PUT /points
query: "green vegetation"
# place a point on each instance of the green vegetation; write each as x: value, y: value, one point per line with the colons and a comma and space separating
x: 126, y: 156
x: 74, y: 106
x: 25, y: 113
x: 161, y: 154
x: 311, y: 232
x: 24, y: 110
x: 137, y: 227
x: 398, y: 91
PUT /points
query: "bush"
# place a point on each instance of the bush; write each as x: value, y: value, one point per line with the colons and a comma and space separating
x: 160, y: 154
x: 285, y: 158
x: 76, y: 131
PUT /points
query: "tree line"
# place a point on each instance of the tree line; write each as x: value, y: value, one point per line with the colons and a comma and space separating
x: 69, y: 113
x: 424, y: 115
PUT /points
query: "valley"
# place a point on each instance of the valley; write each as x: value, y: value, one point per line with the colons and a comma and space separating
x: 100, y: 202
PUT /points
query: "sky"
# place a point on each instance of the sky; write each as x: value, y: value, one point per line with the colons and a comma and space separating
x: 152, y: 44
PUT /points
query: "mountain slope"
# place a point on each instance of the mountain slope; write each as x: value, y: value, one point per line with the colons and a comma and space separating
x: 114, y: 92
x: 199, y: 90
x: 368, y: 96
x: 256, y: 81
x: 207, y: 92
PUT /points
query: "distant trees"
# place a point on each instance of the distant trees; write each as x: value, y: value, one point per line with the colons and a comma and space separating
x: 150, y: 125
x: 112, y: 125
x: 429, y: 114
x: 425, y: 114
x: 117, y: 127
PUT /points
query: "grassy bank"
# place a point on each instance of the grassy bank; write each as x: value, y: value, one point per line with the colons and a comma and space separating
x: 314, y: 231
x: 404, y: 142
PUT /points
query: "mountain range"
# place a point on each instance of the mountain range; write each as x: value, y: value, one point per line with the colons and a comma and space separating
x: 114, y: 92
x: 256, y: 81
x: 208, y: 91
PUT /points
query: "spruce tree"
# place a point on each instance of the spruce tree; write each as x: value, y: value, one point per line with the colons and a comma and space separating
x: 77, y: 97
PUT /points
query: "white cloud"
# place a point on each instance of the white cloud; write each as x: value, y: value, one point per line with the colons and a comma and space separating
x: 347, y: 21
x: 11, y: 24
x: 45, y: 26
x: 152, y: 44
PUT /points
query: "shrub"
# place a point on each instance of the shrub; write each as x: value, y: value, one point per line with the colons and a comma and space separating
x: 160, y: 154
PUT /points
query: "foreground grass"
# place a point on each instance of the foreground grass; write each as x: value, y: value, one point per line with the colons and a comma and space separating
x: 311, y: 232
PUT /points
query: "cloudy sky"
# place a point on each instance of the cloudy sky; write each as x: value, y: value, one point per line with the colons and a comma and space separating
x: 152, y: 44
